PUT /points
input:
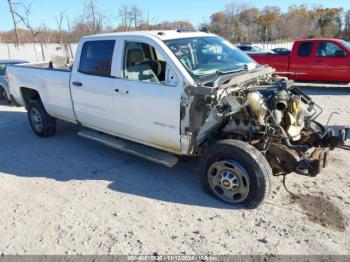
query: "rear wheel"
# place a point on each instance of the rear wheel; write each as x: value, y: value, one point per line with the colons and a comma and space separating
x: 3, y: 95
x: 236, y: 173
x: 41, y: 122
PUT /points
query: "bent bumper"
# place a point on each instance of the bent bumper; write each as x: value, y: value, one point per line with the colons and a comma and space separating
x: 318, y: 159
x: 315, y: 164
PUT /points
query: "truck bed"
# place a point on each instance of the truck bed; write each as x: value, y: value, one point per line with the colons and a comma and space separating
x: 46, y: 65
x: 53, y: 85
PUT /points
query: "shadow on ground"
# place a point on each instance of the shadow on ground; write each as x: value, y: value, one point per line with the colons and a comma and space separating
x: 66, y: 157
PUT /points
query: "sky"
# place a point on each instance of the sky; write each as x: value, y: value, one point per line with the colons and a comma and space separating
x: 195, y: 11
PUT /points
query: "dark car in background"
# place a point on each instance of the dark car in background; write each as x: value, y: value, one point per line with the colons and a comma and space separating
x: 254, y: 49
x: 281, y: 51
x: 4, y: 89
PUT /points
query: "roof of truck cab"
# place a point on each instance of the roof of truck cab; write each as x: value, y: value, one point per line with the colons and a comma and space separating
x: 319, y: 39
x: 161, y: 34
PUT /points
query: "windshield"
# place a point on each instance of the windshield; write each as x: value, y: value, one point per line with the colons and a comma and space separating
x: 203, y: 56
x: 2, y: 69
x: 257, y: 48
x: 346, y: 44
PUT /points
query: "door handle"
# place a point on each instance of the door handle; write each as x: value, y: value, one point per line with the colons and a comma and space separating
x: 77, y: 83
x: 121, y: 92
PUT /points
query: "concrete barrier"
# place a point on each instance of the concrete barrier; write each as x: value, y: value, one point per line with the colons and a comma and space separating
x: 36, y: 52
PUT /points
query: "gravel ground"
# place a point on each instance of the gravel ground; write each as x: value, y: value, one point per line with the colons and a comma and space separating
x: 66, y: 195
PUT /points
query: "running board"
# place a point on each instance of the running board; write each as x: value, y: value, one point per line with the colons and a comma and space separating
x: 322, y: 85
x: 136, y: 149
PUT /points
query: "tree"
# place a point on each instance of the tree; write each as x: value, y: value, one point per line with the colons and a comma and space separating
x: 46, y: 33
x: 218, y: 23
x: 59, y: 22
x: 268, y: 22
x: 346, y: 33
x: 136, y: 15
x: 12, y: 7
x: 326, y: 17
x: 233, y: 13
x: 24, y: 18
x: 91, y: 21
x: 131, y: 16
x: 298, y: 23
x: 125, y: 16
x: 250, y: 28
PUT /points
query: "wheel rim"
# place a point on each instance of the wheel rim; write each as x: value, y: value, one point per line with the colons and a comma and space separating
x: 36, y: 119
x: 230, y: 181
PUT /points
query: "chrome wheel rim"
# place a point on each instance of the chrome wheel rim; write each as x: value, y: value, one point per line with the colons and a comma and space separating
x: 230, y: 181
x: 36, y: 119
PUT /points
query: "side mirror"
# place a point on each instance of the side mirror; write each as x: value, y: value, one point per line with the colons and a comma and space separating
x: 340, y: 53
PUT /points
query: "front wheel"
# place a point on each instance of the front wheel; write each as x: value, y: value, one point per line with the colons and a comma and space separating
x: 236, y: 173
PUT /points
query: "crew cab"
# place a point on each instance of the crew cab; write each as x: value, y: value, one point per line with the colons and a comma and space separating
x: 322, y: 60
x: 165, y: 94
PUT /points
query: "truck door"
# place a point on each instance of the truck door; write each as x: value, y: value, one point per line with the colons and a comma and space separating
x: 92, y: 85
x: 332, y: 62
x: 148, y: 95
x: 301, y: 61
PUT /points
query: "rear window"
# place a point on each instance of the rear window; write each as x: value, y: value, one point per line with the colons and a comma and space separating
x: 96, y: 58
x: 305, y: 49
x: 245, y: 48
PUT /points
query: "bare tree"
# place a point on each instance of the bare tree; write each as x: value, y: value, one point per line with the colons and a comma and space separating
x: 233, y: 13
x: 25, y: 20
x: 59, y: 22
x: 91, y: 21
x: 131, y: 16
x: 347, y: 25
x: 125, y: 16
x: 46, y: 33
x: 69, y: 27
x: 136, y: 15
x: 12, y: 7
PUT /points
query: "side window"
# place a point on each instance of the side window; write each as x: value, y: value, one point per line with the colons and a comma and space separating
x: 143, y: 63
x: 96, y: 58
x: 330, y: 49
x: 305, y: 49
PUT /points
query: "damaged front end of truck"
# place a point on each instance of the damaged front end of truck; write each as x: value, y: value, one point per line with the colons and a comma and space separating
x: 267, y: 112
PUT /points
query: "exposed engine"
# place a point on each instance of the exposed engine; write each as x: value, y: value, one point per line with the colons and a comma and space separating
x: 279, y: 120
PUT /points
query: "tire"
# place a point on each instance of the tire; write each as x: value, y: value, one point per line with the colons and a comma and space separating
x: 236, y: 173
x: 3, y: 95
x: 42, y: 124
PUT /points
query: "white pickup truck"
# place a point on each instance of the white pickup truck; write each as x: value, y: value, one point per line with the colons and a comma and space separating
x: 164, y: 94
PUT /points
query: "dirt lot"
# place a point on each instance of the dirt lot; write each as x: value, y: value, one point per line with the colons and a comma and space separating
x: 65, y: 195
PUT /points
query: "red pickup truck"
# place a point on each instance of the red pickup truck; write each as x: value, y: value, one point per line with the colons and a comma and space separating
x: 326, y: 60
